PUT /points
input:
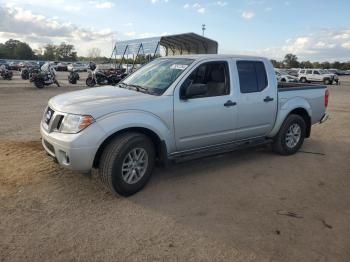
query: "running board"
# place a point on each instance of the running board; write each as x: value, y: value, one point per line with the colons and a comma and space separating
x: 217, y: 150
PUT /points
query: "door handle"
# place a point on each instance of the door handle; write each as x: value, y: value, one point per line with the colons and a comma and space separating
x: 229, y: 103
x: 268, y: 99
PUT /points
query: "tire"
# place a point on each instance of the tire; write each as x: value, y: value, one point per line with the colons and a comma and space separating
x: 327, y: 81
x: 90, y: 82
x: 281, y: 145
x: 116, y: 154
x: 38, y: 83
x: 303, y: 80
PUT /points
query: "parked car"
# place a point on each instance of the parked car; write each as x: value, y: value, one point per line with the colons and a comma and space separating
x: 13, y: 65
x: 179, y: 108
x: 62, y: 66
x: 41, y: 63
x: 283, y: 76
x: 5, y: 63
x: 32, y: 64
x: 317, y: 75
x: 78, y: 67
x: 292, y: 72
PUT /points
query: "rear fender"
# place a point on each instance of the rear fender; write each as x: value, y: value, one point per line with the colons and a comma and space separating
x: 285, y: 110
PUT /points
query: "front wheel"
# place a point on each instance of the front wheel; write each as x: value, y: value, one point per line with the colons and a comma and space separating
x: 90, y: 82
x: 126, y: 163
x: 327, y: 81
x: 291, y: 136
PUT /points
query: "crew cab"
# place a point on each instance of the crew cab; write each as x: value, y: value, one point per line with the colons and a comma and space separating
x: 179, y: 108
x: 317, y: 75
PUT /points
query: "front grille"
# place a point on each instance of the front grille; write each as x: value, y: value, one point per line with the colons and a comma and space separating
x: 59, y: 122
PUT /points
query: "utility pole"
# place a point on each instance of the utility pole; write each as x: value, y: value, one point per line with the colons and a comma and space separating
x: 203, y: 28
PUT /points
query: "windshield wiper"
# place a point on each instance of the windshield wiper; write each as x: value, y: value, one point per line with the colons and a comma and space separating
x: 137, y: 87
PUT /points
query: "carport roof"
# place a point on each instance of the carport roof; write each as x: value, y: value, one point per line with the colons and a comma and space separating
x: 188, y: 43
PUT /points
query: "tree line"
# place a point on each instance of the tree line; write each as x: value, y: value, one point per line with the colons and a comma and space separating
x: 15, y: 49
x: 291, y: 61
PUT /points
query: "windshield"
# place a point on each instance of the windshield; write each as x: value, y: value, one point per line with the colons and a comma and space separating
x: 322, y: 72
x: 158, y: 75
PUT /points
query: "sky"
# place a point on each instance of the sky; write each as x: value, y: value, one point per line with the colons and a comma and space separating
x: 315, y: 30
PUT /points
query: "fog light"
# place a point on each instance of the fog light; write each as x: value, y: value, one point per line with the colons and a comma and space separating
x: 64, y: 157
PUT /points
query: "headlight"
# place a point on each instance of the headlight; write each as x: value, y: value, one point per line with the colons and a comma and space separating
x: 72, y: 124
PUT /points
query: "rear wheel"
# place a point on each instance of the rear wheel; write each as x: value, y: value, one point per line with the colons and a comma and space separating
x: 303, y: 80
x: 291, y: 136
x: 39, y: 83
x: 127, y: 163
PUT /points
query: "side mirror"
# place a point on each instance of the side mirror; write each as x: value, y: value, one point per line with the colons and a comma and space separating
x: 194, y: 90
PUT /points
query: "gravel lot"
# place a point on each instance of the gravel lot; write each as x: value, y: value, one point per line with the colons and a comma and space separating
x: 232, y: 207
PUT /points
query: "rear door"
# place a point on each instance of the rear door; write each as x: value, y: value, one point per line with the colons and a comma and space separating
x: 317, y: 76
x: 257, y: 102
x: 208, y: 119
x: 309, y: 75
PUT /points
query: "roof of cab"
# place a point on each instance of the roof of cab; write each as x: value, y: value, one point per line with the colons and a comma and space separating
x: 215, y: 56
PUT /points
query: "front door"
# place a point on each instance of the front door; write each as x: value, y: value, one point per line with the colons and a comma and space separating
x: 208, y: 118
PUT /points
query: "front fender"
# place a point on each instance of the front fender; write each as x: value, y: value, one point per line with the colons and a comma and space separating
x: 285, y: 107
x: 118, y: 121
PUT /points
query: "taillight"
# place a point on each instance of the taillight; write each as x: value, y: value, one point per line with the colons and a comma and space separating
x: 326, y: 97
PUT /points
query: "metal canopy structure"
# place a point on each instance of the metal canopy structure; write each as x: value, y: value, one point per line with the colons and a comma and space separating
x: 188, y: 43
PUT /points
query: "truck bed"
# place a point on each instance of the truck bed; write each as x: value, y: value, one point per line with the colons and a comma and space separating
x: 282, y: 87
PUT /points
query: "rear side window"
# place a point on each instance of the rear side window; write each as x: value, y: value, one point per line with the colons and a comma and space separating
x: 252, y: 76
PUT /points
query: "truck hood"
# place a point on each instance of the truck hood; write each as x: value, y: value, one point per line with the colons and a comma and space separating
x: 99, y: 101
x: 329, y: 75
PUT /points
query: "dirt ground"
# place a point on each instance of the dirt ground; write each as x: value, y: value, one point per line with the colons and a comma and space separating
x: 251, y: 205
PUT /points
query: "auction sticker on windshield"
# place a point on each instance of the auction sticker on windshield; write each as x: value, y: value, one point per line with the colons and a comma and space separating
x: 178, y: 66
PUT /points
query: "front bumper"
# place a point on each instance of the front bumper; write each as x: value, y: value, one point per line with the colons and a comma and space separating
x: 68, y: 150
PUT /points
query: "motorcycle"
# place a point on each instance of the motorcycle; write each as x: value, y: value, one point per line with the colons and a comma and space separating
x: 45, y: 77
x: 100, y: 77
x: 27, y: 72
x: 5, y: 73
x: 73, y: 77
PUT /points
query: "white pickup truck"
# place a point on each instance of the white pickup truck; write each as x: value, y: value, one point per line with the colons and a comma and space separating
x: 178, y: 108
x: 317, y: 75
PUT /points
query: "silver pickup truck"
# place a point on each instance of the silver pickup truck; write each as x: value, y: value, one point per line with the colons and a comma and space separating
x: 178, y: 108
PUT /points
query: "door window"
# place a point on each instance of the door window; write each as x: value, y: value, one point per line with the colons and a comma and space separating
x: 252, y: 76
x: 215, y: 77
x: 309, y: 72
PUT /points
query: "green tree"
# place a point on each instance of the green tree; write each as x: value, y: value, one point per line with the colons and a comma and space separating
x: 49, y: 52
x: 291, y: 60
x: 65, y: 52
x: 62, y: 52
x: 15, y: 49
x: 306, y: 64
